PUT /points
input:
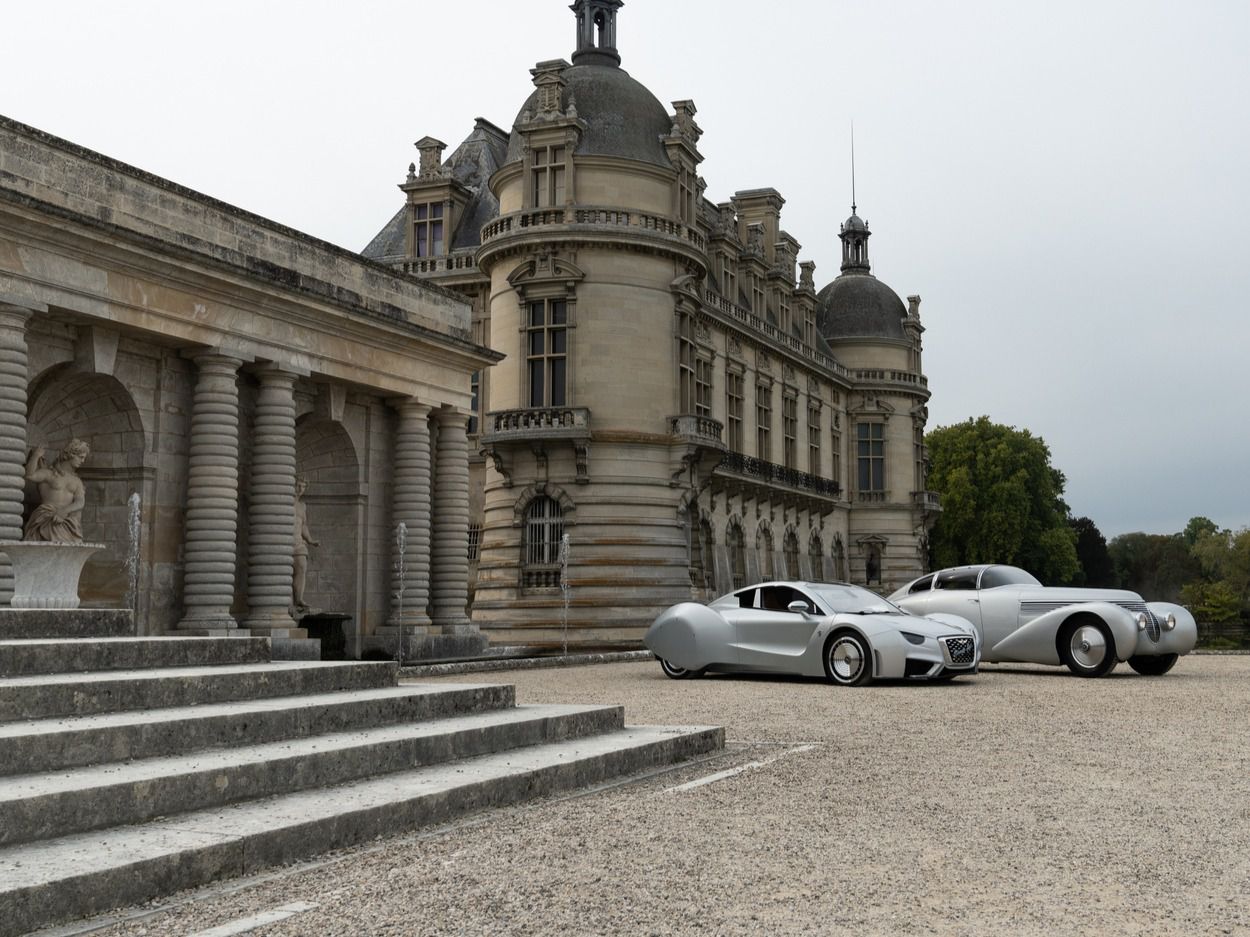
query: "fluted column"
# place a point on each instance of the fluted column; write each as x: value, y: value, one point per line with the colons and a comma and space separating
x: 449, y: 556
x: 13, y: 381
x: 271, y: 506
x: 212, y: 497
x: 410, y: 569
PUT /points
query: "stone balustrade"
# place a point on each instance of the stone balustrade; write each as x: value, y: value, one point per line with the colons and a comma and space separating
x: 537, y: 423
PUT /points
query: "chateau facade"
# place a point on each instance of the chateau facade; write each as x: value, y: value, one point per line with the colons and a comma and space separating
x: 679, y: 410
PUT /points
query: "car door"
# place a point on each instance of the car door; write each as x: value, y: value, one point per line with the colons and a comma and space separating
x: 769, y: 636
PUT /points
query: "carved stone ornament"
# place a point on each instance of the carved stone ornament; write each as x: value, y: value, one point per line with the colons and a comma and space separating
x: 735, y: 346
x: 763, y: 362
x: 807, y: 275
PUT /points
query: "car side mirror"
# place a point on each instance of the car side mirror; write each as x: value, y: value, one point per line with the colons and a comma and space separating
x: 798, y: 606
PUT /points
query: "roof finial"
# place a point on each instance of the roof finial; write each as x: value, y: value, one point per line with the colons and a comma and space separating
x: 853, y: 208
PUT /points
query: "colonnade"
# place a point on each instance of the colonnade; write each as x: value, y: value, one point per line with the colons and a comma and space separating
x: 430, y: 483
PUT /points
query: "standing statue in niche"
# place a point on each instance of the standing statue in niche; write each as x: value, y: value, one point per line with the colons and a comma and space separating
x: 303, y: 540
x: 58, y: 518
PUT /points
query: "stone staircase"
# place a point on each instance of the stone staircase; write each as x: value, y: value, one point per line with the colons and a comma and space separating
x: 135, y: 767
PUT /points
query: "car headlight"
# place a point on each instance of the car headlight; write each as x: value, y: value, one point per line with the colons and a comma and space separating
x: 1169, y: 623
x: 1141, y: 621
x: 913, y: 638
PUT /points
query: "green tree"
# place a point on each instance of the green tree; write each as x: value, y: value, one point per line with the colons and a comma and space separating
x: 1196, y: 527
x: 1155, y: 566
x: 1211, y: 601
x: 1096, y: 570
x: 1001, y: 500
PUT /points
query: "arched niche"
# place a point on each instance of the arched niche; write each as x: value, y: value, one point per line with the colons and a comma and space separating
x: 335, y: 502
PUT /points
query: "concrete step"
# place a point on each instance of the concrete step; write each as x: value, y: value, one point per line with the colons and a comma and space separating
x: 59, y: 880
x: 41, y: 806
x: 45, y: 745
x: 68, y: 655
x: 52, y: 695
x: 38, y: 623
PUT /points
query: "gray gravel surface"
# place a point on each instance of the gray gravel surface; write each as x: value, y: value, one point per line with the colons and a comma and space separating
x: 1020, y: 801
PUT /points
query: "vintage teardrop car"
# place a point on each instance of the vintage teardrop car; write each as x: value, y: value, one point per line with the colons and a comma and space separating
x: 841, y: 632
x: 1087, y: 630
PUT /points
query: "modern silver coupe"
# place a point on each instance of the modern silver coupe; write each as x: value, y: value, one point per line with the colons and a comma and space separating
x: 841, y: 632
x: 1087, y: 630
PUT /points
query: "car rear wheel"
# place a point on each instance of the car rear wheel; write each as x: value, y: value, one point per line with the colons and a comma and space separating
x: 847, y: 661
x: 1152, y: 665
x: 1086, y: 648
x: 673, y: 672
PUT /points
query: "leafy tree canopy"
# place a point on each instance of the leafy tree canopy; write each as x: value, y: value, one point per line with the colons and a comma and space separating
x: 1096, y: 569
x: 1155, y: 566
x: 1001, y: 500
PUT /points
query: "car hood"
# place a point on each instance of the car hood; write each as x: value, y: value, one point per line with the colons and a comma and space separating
x: 913, y: 623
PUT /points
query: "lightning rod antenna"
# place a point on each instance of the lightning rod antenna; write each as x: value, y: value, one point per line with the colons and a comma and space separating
x: 853, y: 207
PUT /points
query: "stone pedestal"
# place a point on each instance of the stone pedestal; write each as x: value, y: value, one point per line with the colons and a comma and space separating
x: 45, y: 575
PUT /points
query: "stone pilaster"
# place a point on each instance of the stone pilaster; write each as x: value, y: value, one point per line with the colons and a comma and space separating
x: 271, y: 506
x: 449, y: 556
x: 212, y: 497
x: 13, y: 382
x: 411, y: 508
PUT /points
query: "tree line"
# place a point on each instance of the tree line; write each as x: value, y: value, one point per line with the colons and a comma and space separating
x: 1002, y: 502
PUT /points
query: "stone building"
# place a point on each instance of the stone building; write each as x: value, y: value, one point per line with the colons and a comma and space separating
x: 208, y: 356
x: 677, y: 398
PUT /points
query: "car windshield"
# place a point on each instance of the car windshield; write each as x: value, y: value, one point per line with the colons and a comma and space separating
x: 1006, y: 576
x: 852, y: 599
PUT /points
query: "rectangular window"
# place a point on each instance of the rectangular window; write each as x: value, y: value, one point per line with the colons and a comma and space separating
x: 547, y: 353
x: 813, y: 439
x: 702, y: 387
x: 475, y: 541
x: 835, y: 447
x: 548, y: 176
x: 870, y: 442
x: 428, y: 231
x: 783, y: 312
x: 763, y: 421
x: 685, y: 364
x: 475, y: 388
x: 733, y: 411
x: 789, y: 430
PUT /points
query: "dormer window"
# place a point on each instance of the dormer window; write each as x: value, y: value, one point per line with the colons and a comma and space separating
x: 428, y: 229
x: 547, y: 177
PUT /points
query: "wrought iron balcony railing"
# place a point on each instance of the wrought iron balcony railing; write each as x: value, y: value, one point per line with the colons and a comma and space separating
x: 736, y: 463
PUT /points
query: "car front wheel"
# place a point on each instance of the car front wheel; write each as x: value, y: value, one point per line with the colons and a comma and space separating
x: 1086, y: 648
x: 847, y: 662
x: 1152, y: 665
x: 673, y: 672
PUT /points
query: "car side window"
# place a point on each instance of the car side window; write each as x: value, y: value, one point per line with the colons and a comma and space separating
x: 746, y: 598
x: 960, y: 580
x: 921, y: 585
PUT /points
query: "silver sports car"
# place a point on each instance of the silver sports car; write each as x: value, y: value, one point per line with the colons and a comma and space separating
x: 842, y: 632
x: 1087, y: 630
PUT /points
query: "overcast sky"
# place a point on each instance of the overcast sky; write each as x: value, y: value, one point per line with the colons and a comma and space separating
x: 1066, y: 184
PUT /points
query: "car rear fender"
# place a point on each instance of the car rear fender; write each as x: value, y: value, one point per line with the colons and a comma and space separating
x: 1037, y: 641
x: 690, y: 635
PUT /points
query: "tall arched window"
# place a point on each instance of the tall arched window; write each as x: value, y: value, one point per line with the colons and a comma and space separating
x: 737, y: 556
x: 709, y: 559
x: 540, y: 547
x: 790, y: 552
x: 816, y: 556
x: 764, y: 548
x: 839, y: 559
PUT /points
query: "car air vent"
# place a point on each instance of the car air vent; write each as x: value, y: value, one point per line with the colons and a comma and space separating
x: 1152, y: 620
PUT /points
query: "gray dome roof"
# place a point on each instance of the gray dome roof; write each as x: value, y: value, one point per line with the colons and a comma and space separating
x: 622, y: 117
x: 854, y: 223
x: 858, y: 305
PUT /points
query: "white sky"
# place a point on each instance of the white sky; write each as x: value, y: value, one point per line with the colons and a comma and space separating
x: 1065, y: 184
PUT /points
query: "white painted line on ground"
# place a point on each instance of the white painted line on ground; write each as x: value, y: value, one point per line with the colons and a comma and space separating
x: 244, y: 924
x: 731, y: 772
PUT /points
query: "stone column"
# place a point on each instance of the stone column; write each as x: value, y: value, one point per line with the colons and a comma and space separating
x: 212, y: 498
x: 411, y: 508
x: 13, y: 381
x: 271, y: 508
x: 449, y: 557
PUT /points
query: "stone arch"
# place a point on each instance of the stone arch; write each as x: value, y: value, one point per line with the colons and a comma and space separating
x: 790, y: 553
x: 765, y: 547
x: 735, y: 549
x: 839, y: 559
x: 326, y: 458
x: 816, y: 555
x: 568, y: 508
x: 63, y: 404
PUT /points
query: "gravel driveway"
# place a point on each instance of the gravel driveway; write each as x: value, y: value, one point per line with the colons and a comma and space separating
x: 1020, y: 801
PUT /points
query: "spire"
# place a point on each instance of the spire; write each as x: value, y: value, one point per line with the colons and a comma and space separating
x: 596, y: 32
x: 855, y: 233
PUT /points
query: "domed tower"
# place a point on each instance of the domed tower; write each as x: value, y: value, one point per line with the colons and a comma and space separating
x: 597, y: 201
x: 878, y: 339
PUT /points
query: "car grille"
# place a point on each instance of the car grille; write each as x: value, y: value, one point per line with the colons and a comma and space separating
x: 960, y: 650
x: 1152, y: 620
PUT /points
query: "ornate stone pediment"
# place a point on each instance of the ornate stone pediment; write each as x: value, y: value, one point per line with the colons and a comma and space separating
x: 546, y: 270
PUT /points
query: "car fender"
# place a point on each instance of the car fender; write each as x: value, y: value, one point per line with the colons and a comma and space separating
x: 1181, y: 639
x: 690, y: 635
x: 1036, y: 640
x: 843, y: 623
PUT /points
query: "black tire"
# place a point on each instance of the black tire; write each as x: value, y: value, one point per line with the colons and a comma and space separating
x: 673, y: 672
x: 1153, y: 665
x: 1086, y: 647
x: 848, y: 661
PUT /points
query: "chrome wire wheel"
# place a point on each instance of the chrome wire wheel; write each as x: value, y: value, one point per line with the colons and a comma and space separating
x: 846, y: 660
x: 1086, y: 648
